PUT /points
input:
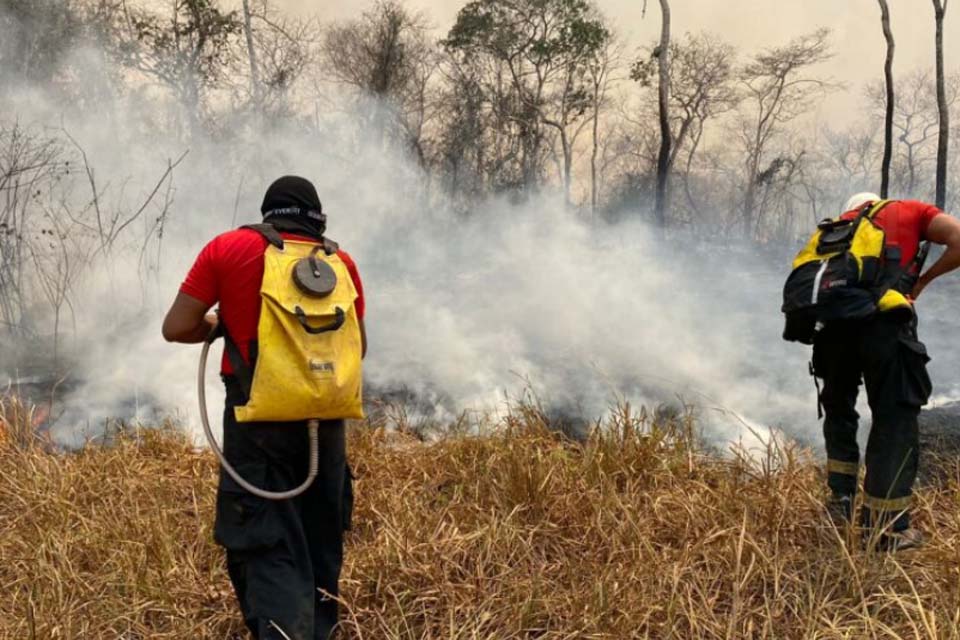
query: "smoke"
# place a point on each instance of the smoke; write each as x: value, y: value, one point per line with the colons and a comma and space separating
x: 464, y: 312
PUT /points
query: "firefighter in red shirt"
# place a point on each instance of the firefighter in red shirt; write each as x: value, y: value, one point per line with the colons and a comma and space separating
x: 885, y: 353
x: 283, y: 557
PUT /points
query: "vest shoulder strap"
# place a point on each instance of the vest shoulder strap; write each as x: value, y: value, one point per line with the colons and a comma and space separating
x: 330, y: 247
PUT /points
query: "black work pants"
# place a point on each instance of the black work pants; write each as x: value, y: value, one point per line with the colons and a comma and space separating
x: 283, y: 557
x: 886, y: 355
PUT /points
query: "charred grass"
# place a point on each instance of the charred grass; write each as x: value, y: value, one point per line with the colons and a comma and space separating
x: 635, y: 532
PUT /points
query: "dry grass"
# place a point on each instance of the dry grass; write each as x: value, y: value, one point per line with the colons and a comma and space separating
x: 517, y: 534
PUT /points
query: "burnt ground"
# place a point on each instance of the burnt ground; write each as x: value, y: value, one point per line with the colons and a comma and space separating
x: 939, y: 438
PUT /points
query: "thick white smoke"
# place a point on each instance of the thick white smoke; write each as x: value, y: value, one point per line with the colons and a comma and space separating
x: 465, y: 311
x: 462, y: 312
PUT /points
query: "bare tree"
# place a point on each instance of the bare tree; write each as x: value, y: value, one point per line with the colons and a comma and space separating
x: 662, y: 55
x: 108, y: 224
x: 572, y: 100
x: 943, y: 139
x: 282, y: 48
x: 386, y: 55
x: 49, y: 44
x: 462, y: 134
x: 851, y: 153
x: 480, y: 129
x: 600, y: 69
x: 375, y: 52
x: 888, y: 122
x: 777, y: 90
x: 837, y: 162
x: 38, y: 38
x: 59, y: 257
x: 778, y: 184
x: 255, y: 87
x: 628, y: 160
x: 701, y: 88
x: 915, y: 124
x: 188, y: 51
x: 30, y: 164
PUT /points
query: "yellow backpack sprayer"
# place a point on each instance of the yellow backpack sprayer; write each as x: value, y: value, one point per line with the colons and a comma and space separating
x: 308, y: 365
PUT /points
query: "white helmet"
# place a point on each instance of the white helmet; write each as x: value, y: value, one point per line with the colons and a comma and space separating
x: 860, y: 199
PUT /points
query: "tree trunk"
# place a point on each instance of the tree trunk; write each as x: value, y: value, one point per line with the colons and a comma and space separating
x: 911, y: 169
x: 686, y: 174
x: 252, y: 55
x: 593, y: 153
x: 663, y: 159
x: 749, y: 203
x: 191, y: 103
x: 56, y: 339
x: 750, y: 195
x: 943, y: 141
x: 567, y: 166
x: 888, y: 121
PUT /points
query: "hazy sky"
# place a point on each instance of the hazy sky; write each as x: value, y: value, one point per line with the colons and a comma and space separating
x: 751, y: 24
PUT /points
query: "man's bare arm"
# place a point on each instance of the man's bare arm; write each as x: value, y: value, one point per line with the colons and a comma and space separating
x: 945, y: 230
x: 186, y: 320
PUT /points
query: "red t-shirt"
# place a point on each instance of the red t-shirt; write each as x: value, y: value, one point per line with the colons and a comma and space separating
x: 229, y: 270
x: 905, y: 224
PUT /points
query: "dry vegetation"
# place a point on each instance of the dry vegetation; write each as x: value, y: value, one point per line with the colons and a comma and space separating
x: 516, y: 534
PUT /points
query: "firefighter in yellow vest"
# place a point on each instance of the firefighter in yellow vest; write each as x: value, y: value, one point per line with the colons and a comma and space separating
x: 291, y: 310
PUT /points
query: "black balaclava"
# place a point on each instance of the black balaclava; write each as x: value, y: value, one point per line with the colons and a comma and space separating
x: 291, y: 204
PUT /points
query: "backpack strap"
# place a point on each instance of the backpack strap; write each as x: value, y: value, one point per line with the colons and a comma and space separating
x: 273, y: 236
x: 921, y: 258
x: 268, y: 231
x: 242, y: 371
x: 902, y: 278
x: 871, y: 210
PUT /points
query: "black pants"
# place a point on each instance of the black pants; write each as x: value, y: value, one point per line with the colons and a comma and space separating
x: 282, y: 554
x: 886, y: 354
